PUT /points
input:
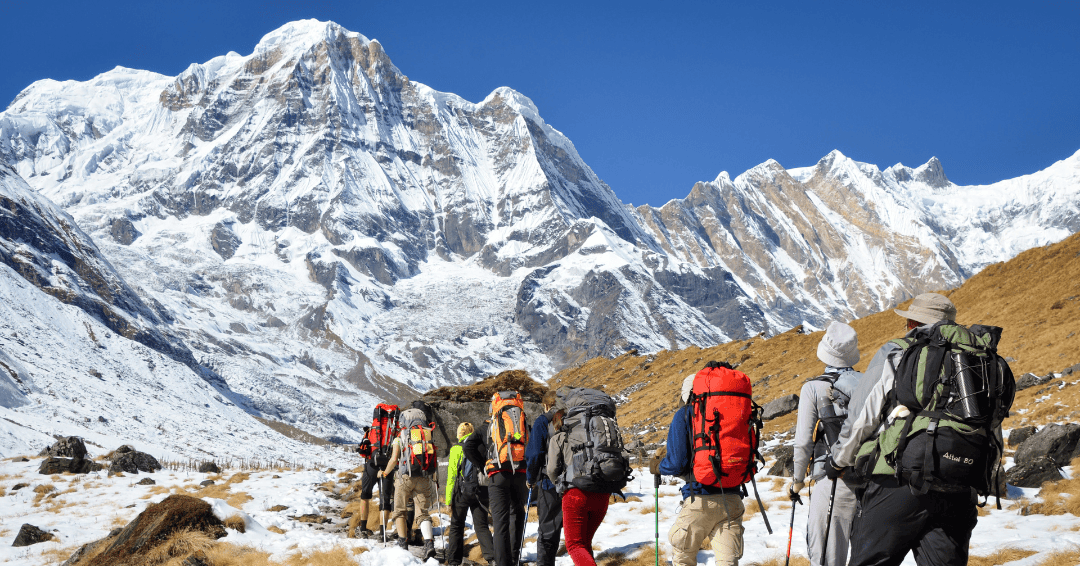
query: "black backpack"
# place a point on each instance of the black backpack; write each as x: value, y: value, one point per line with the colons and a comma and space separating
x: 958, y: 391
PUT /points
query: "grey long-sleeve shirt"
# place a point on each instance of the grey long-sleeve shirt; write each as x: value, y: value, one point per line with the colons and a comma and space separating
x: 813, y: 396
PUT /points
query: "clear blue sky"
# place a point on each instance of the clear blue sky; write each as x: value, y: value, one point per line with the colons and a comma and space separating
x: 659, y: 95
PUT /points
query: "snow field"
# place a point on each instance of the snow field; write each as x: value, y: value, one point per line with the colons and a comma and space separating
x: 86, y: 508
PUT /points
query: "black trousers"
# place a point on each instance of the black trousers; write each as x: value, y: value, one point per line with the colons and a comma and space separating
x: 461, y: 505
x: 386, y: 489
x: 891, y: 520
x: 507, y: 493
x: 549, y: 515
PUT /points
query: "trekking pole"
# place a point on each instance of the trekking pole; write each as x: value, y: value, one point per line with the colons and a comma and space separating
x: 656, y: 512
x: 438, y: 497
x: 791, y: 529
x: 382, y: 514
x: 525, y: 523
x: 828, y: 522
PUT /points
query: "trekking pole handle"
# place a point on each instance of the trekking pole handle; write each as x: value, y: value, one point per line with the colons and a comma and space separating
x: 656, y: 481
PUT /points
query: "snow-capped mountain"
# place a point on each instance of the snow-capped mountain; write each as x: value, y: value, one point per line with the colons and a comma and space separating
x: 316, y: 229
x: 80, y: 353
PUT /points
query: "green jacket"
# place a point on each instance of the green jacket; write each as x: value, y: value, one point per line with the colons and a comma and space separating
x: 457, y: 456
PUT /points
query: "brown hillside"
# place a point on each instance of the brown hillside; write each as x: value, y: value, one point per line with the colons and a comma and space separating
x: 1035, y: 297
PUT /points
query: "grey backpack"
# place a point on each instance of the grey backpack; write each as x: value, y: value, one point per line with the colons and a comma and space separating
x: 599, y: 463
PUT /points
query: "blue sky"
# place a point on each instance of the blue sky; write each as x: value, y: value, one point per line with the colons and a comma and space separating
x: 657, y: 96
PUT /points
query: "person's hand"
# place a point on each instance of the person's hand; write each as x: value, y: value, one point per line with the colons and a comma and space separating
x: 794, y: 488
x: 381, y: 473
x: 658, y: 456
x: 833, y: 471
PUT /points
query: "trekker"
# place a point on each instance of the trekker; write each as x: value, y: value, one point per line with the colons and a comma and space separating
x: 414, y: 457
x: 548, y: 501
x: 464, y: 494
x: 712, y: 502
x: 942, y: 389
x: 587, y: 463
x: 499, y: 449
x: 376, y: 449
x: 823, y: 404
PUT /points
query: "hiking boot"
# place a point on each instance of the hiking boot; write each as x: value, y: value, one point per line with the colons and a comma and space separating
x: 364, y: 533
x: 429, y: 549
x: 403, y: 542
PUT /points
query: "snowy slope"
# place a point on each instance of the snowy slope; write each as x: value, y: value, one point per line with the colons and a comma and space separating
x: 80, y: 354
x: 316, y: 230
x: 627, y: 528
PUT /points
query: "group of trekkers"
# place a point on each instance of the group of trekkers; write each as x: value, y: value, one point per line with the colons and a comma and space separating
x: 571, y: 457
x: 897, y: 456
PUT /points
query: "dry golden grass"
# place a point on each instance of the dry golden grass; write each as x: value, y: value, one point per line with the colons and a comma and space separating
x: 779, y: 559
x: 1058, y: 498
x: 752, y: 507
x: 1065, y: 557
x: 646, y: 557
x: 58, y: 555
x: 235, y: 523
x: 3, y: 491
x: 1000, y: 557
x: 334, y: 557
x: 617, y: 499
x: 1035, y: 297
x: 275, y: 529
x: 42, y: 492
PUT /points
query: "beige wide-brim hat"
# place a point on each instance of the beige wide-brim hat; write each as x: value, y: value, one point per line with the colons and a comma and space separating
x: 839, y: 347
x: 929, y: 308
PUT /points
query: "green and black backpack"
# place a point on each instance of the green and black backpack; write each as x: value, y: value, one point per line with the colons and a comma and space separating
x: 958, y: 391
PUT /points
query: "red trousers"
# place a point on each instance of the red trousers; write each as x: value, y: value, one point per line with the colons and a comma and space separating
x: 583, y: 511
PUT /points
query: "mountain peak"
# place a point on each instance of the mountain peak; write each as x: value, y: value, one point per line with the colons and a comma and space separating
x: 305, y: 33
x: 933, y: 174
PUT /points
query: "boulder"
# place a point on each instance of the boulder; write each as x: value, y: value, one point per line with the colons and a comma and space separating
x: 1018, y: 435
x: 1055, y: 441
x: 29, y: 534
x: 69, y: 447
x: 134, y: 462
x: 147, y: 481
x: 152, y: 527
x: 449, y: 414
x: 1032, y: 380
x: 780, y: 406
x: 209, y: 468
x: 785, y: 461
x: 52, y: 466
x: 206, y: 483
x: 1070, y: 370
x: 1033, y: 473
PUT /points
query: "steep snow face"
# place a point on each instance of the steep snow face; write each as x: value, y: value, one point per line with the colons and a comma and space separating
x: 317, y: 230
x: 81, y: 354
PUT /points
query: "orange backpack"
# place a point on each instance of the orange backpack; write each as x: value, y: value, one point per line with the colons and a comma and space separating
x: 508, y: 432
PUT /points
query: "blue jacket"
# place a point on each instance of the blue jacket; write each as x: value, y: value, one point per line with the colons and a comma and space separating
x: 536, y: 452
x: 680, y: 456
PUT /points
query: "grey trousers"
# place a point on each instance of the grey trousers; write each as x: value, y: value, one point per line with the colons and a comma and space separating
x: 842, y: 515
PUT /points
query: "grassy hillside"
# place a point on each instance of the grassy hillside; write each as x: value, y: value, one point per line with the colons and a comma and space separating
x: 1035, y: 297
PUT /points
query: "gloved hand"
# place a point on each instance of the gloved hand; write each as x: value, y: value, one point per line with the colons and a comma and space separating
x: 654, y: 464
x: 794, y: 488
x: 833, y: 471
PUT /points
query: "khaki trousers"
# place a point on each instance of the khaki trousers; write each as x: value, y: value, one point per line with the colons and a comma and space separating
x: 419, y: 488
x: 717, y: 516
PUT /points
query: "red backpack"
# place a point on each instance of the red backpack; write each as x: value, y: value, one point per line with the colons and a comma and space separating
x: 384, y: 428
x: 725, y: 427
